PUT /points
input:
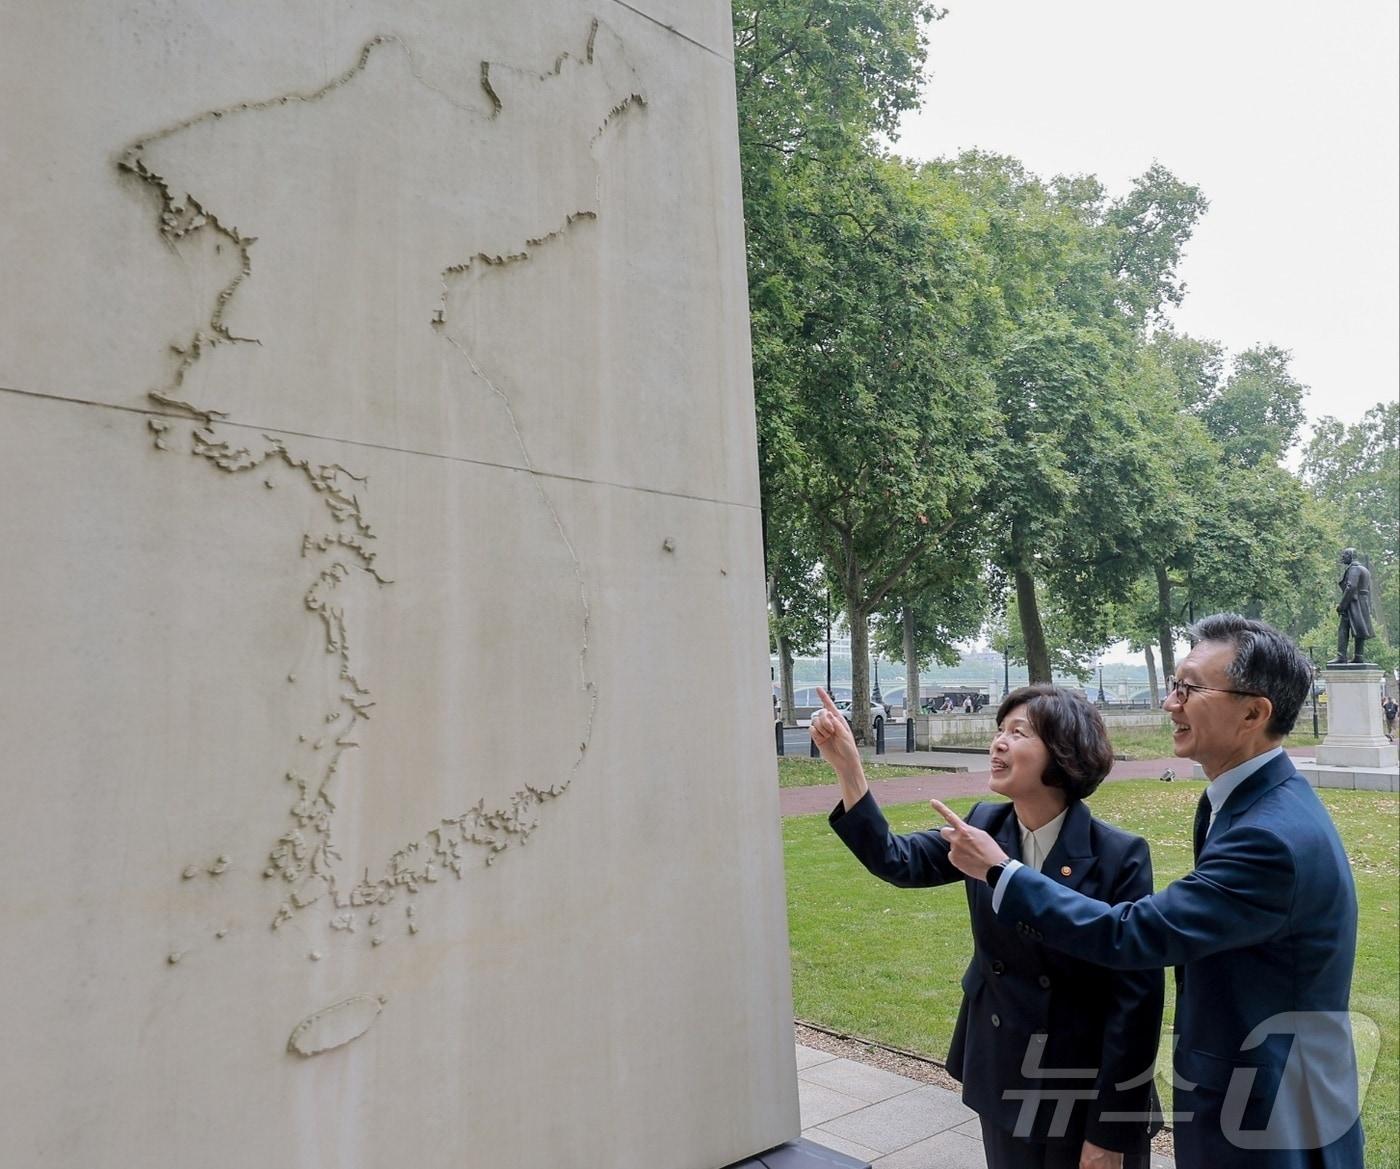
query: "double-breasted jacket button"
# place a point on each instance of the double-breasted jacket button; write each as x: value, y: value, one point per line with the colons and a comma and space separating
x: 1044, y: 981
x: 996, y: 1020
x: 998, y: 967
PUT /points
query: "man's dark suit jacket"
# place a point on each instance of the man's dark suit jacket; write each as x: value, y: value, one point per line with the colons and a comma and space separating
x: 1022, y: 999
x: 1264, y: 930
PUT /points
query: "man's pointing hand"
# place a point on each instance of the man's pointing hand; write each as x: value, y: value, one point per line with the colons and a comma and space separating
x: 969, y: 848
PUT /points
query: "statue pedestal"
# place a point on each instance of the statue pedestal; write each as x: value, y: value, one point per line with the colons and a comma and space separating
x: 1355, y: 753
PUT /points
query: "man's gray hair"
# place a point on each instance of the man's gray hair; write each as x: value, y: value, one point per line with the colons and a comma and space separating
x: 1266, y: 662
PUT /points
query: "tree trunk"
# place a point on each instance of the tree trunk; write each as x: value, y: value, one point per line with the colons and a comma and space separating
x: 785, y: 667
x: 911, y: 667
x: 1152, y: 676
x: 1165, y: 640
x: 860, y: 671
x: 1028, y: 609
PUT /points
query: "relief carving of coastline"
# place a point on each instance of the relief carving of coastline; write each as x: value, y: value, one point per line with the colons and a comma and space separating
x: 305, y: 862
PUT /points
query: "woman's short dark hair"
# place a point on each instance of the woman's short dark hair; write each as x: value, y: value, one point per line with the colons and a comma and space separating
x: 1072, y: 730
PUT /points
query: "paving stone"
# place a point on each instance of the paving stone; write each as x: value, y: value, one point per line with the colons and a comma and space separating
x: 840, y: 1145
x: 809, y: 1057
x: 947, y: 1150
x: 817, y: 1105
x: 902, y: 1120
x: 860, y: 1080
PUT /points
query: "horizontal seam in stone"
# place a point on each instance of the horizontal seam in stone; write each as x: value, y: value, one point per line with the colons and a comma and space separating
x: 674, y: 30
x: 145, y: 412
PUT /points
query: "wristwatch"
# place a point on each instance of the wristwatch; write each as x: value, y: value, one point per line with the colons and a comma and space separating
x: 994, y: 874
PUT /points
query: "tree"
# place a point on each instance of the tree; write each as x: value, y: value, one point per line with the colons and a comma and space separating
x: 939, y: 602
x: 885, y: 421
x: 1234, y: 531
x: 816, y: 80
x: 1257, y: 413
x: 1148, y: 229
x: 1262, y: 548
x: 796, y: 596
x: 1069, y: 652
x: 1178, y: 374
x: 1076, y: 467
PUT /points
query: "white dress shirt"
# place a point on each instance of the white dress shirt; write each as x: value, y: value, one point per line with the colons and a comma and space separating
x: 1036, y: 845
x: 1222, y: 787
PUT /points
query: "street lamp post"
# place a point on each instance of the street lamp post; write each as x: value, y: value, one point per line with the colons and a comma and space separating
x: 1005, y: 668
x: 1313, y: 687
x: 828, y: 639
x: 875, y: 696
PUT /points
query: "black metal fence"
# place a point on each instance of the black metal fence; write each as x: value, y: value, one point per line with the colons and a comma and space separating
x: 780, y: 738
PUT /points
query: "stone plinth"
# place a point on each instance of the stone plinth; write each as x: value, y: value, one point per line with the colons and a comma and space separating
x: 1355, y: 753
x: 375, y: 399
x: 1355, y: 725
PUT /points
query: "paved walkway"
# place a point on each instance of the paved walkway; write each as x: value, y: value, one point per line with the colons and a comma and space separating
x: 883, y: 1118
x: 888, y: 1120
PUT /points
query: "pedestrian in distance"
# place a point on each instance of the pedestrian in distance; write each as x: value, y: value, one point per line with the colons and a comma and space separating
x: 1262, y: 931
x: 1055, y: 1054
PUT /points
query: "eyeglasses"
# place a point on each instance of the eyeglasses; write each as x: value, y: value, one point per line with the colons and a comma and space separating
x: 1184, y: 690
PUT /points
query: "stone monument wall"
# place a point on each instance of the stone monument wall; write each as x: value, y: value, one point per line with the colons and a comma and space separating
x: 376, y: 470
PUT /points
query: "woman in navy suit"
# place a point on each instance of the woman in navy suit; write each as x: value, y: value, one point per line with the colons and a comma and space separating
x: 1055, y: 1055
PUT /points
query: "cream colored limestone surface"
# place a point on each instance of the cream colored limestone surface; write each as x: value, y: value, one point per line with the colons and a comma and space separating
x: 1355, y: 724
x: 387, y: 770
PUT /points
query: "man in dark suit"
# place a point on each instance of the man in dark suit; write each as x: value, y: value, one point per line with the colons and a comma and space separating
x: 1262, y: 930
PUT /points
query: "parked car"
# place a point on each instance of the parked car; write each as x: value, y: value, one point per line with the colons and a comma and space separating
x: 877, y: 712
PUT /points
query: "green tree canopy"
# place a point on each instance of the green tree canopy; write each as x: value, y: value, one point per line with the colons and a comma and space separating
x: 1077, y: 464
x: 1258, y: 410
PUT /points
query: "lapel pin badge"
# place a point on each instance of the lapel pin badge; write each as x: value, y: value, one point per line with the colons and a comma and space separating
x: 1064, y: 870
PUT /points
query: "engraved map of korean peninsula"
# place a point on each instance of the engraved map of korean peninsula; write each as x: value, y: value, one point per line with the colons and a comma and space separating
x: 337, y: 377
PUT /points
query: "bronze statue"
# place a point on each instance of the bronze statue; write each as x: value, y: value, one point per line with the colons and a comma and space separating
x: 1355, y: 607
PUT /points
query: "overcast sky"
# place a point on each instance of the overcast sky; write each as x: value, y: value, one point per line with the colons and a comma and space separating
x: 1284, y: 113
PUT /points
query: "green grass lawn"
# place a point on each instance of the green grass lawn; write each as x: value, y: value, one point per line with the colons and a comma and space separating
x: 884, y: 963
x: 803, y: 771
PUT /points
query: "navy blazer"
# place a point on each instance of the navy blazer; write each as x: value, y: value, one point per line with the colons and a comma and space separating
x: 1026, y: 1007
x: 1264, y: 932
